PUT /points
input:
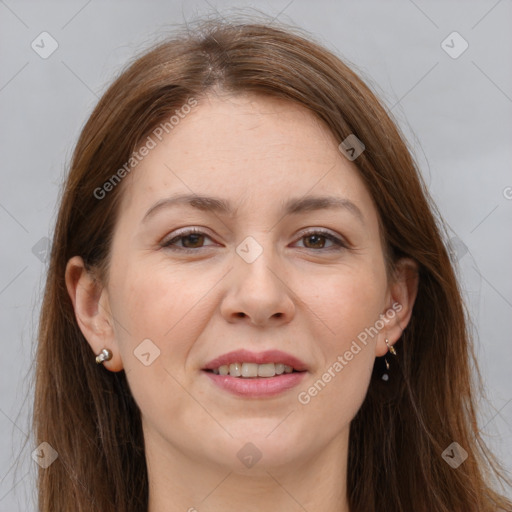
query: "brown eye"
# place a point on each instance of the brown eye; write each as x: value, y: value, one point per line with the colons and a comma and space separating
x: 317, y: 240
x: 191, y: 240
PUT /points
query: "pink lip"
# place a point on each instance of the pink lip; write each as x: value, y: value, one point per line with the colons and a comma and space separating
x: 257, y: 387
x: 245, y: 356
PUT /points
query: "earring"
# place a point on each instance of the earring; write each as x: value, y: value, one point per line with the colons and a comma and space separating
x: 390, y: 347
x: 104, y: 355
x: 385, y: 376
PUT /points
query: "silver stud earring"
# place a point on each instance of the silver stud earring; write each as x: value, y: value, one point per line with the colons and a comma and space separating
x: 104, y: 355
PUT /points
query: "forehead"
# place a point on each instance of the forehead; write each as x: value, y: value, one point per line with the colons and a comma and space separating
x: 244, y: 147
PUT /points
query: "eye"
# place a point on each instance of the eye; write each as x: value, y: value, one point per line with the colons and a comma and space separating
x: 316, y: 240
x: 191, y: 239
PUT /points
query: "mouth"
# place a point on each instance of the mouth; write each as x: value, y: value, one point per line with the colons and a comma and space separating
x: 244, y: 370
x: 244, y: 363
x: 256, y: 375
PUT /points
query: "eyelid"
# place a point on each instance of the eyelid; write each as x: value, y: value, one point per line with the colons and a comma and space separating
x: 183, y: 232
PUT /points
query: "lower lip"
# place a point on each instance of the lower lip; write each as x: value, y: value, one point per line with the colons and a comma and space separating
x: 257, y: 387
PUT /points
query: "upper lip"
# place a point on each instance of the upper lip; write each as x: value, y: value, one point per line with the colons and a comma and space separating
x: 246, y: 356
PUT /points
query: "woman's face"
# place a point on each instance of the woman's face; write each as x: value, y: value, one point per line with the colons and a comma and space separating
x: 266, y: 276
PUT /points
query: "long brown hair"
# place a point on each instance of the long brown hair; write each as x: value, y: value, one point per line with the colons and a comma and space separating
x: 397, y: 438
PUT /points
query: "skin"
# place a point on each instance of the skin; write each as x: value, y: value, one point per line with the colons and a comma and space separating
x: 301, y: 295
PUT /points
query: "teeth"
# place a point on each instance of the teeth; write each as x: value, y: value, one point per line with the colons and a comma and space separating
x: 266, y: 370
x: 251, y: 370
x: 235, y: 369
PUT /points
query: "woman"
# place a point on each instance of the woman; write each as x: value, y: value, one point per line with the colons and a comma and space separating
x: 249, y: 303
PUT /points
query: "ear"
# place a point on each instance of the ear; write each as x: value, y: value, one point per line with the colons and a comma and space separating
x: 92, y: 311
x: 401, y: 296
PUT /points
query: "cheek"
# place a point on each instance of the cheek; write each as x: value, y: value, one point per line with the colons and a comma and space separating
x: 151, y: 303
x: 153, y: 299
x: 349, y: 308
x: 160, y: 317
x: 347, y: 302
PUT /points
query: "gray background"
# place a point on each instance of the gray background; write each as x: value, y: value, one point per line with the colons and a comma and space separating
x: 455, y: 112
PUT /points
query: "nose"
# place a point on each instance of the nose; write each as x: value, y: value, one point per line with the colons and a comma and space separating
x: 258, y: 292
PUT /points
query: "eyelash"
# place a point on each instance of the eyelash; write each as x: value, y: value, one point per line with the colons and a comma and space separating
x: 338, y: 244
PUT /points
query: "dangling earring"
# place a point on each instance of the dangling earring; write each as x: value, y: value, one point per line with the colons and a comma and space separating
x: 385, y: 376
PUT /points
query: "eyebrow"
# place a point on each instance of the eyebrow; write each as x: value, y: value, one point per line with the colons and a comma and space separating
x: 293, y: 206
